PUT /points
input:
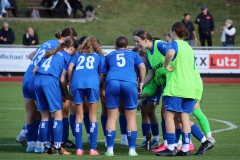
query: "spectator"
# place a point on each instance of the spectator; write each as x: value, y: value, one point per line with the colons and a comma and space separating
x: 205, y: 26
x: 30, y: 37
x: 192, y: 38
x: 10, y: 3
x: 77, y: 4
x: 6, y: 34
x: 228, y: 34
x: 61, y: 6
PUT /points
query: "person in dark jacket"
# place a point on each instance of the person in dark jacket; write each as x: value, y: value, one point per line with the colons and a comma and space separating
x: 205, y: 23
x: 77, y: 4
x: 30, y: 37
x: 192, y: 38
x: 6, y: 34
x: 15, y: 7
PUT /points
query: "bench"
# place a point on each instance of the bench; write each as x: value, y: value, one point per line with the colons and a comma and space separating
x: 36, y: 4
x: 7, y: 10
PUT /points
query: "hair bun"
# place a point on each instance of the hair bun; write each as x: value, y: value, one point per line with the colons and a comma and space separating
x: 58, y: 35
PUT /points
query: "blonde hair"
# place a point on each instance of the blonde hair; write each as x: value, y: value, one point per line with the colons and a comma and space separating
x: 90, y: 45
x: 229, y: 21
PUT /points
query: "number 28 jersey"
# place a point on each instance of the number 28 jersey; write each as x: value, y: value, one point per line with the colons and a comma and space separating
x: 87, y: 68
x: 120, y: 65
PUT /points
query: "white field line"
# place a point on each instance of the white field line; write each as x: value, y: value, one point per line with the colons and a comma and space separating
x: 230, y: 125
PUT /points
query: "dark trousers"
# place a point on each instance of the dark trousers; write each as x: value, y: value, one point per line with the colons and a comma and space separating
x: 61, y: 7
x: 204, y: 37
x: 77, y: 5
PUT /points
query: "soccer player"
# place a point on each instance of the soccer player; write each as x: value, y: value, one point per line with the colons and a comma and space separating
x: 121, y: 82
x: 88, y: 63
x: 49, y: 91
x: 179, y: 93
x: 148, y: 106
x: 30, y: 127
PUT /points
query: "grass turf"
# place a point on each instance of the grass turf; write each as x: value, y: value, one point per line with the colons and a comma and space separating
x: 123, y: 17
x: 220, y: 102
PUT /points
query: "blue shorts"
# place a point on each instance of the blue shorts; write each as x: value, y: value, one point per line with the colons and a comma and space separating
x: 91, y: 94
x: 116, y: 89
x: 154, y: 98
x: 177, y: 104
x: 48, y: 93
x: 28, y: 91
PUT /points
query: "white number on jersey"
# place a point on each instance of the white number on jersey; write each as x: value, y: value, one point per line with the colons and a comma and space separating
x: 39, y: 54
x: 46, y: 64
x: 121, y: 60
x: 89, y: 62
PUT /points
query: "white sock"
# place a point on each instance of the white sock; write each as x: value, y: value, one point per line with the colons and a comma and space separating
x: 22, y: 133
x: 203, y: 139
x: 171, y: 147
x: 209, y: 135
x: 31, y: 144
x: 124, y: 136
x: 175, y: 144
x: 132, y: 150
x: 39, y: 144
x: 165, y: 143
x: 144, y: 138
x: 57, y: 144
x: 110, y: 150
x: 190, y: 141
x: 185, y: 147
x: 156, y: 138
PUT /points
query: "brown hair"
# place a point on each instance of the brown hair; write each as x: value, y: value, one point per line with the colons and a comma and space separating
x: 121, y: 42
x: 69, y: 31
x: 69, y: 42
x: 139, y: 51
x: 143, y: 34
x: 90, y: 45
x: 180, y: 30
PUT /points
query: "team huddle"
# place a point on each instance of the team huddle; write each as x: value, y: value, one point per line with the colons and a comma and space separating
x: 69, y: 76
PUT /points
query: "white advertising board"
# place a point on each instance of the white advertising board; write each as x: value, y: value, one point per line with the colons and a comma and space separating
x: 208, y: 61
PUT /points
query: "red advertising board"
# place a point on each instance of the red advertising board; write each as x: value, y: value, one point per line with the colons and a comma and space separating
x: 221, y: 61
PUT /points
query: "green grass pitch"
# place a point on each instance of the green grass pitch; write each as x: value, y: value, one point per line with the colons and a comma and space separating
x: 220, y: 103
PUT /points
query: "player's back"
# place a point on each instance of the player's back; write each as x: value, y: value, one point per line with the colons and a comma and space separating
x: 54, y: 64
x: 87, y: 70
x: 120, y: 65
x: 40, y: 52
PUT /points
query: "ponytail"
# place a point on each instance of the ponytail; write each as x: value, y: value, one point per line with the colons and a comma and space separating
x: 58, y: 35
x: 60, y: 47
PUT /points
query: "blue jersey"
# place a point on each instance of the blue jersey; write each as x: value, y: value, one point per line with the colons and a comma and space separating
x: 87, y: 68
x: 40, y: 52
x: 54, y: 65
x: 120, y: 65
x: 173, y: 45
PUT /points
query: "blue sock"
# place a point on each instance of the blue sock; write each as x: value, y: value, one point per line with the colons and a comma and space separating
x: 51, y: 128
x: 36, y: 126
x: 44, y: 131
x: 65, y: 133
x: 72, y: 119
x: 170, y: 137
x: 87, y: 122
x: 93, y: 135
x: 29, y: 131
x: 104, y: 122
x: 186, y: 137
x: 57, y: 133
x: 146, y: 128
x: 178, y: 132
x: 196, y: 132
x: 132, y: 139
x: 110, y: 136
x: 163, y: 129
x: 155, y: 129
x: 78, y: 135
x: 123, y: 124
